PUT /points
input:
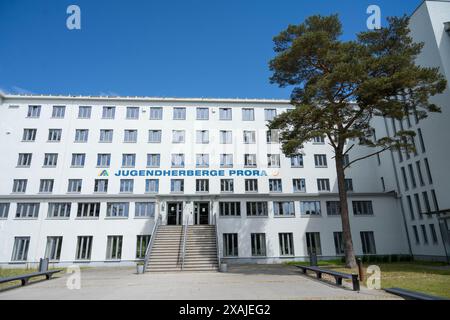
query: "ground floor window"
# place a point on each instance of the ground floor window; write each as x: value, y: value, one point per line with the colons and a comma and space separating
x: 53, y: 248
x: 230, y: 245
x: 230, y: 209
x: 424, y: 234
x: 144, y: 209
x: 117, y: 209
x: 258, y: 244
x: 114, y: 248
x: 286, y: 244
x: 416, y: 235
x: 368, y: 242
x: 20, y: 250
x: 313, y: 243
x: 27, y: 210
x: 339, y: 243
x: 141, y: 246
x: 84, y: 248
x: 433, y: 234
x: 4, y: 209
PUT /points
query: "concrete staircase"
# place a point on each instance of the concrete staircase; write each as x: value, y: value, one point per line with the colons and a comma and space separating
x: 201, y: 249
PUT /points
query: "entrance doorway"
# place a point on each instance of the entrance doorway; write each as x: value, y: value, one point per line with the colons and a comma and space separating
x: 175, y: 213
x: 201, y: 213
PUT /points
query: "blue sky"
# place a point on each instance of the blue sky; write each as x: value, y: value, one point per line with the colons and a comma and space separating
x: 170, y: 48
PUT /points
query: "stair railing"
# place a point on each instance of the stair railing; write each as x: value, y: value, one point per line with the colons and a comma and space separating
x: 183, y: 251
x: 216, y: 220
x: 152, y: 240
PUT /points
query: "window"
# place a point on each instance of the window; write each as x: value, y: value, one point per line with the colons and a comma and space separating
x: 132, y: 113
x: 323, y: 185
x: 101, y: 185
x: 411, y: 208
x: 202, y: 136
x: 117, y: 209
x: 179, y: 113
x: 151, y: 185
x: 412, y: 176
x: 58, y: 112
x: 84, y: 248
x: 339, y: 243
x: 257, y: 209
x: 418, y: 205
x: 20, y: 250
x: 27, y: 210
x: 299, y: 185
x: 250, y: 160
x: 297, y: 161
x: 230, y: 245
x: 225, y: 114
x: 74, y: 185
x: 88, y: 210
x: 226, y: 185
x: 106, y: 135
x: 144, y: 209
x: 34, y: 111
x: 202, y: 185
x: 130, y: 136
x: 270, y: 114
x: 46, y: 185
x: 178, y: 136
x: 433, y: 234
x: 230, y: 209
x: 313, y: 245
x: 258, y: 244
x: 319, y: 140
x: 54, y: 135
x: 320, y: 160
x: 202, y: 160
x: 153, y: 160
x: 29, y: 135
x: 435, y: 202
x: 333, y: 208
x: 126, y: 185
x: 405, y: 179
x: 251, y: 185
x: 109, y: 112
x: 368, y: 242
x: 275, y: 185
x: 178, y: 160
x: 348, y: 184
x: 248, y: 114
x: 273, y: 160
x: 156, y: 113
x: 273, y: 136
x: 422, y: 143
x: 20, y: 185
x: 426, y: 202
x: 4, y: 210
x: 285, y: 208
x: 286, y: 244
x: 416, y: 234
x: 346, y: 160
x: 24, y: 160
x: 141, y: 246
x: 177, y: 185
x: 84, y: 112
x: 78, y: 159
x: 103, y: 160
x: 310, y: 208
x: 226, y: 160
x: 362, y: 208
x: 53, y: 248
x: 249, y: 137
x: 154, y: 136
x: 383, y: 186
x: 81, y: 135
x: 202, y: 114
x: 128, y: 160
x: 424, y: 234
x: 226, y: 137
x: 427, y: 167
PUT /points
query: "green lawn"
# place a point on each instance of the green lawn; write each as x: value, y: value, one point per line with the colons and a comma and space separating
x: 427, y: 277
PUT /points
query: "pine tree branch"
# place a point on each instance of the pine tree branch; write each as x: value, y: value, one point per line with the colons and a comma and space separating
x: 365, y: 157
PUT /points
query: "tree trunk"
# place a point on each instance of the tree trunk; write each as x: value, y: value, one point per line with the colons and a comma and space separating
x: 350, y: 261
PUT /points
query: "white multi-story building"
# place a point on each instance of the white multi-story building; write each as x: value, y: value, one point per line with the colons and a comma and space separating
x: 84, y: 179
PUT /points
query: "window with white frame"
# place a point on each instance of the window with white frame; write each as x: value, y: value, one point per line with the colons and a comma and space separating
x: 362, y: 208
x: 24, y: 160
x: 103, y: 160
x: 202, y: 160
x: 319, y: 140
x: 178, y: 136
x: 20, y: 185
x: 144, y: 209
x: 156, y: 113
x: 179, y: 113
x: 270, y: 114
x: 74, y: 185
x: 333, y: 208
x: 109, y: 112
x: 53, y: 248
x: 78, y: 159
x: 202, y: 136
x: 20, y: 249
x: 297, y: 161
x: 250, y: 160
x: 226, y: 185
x: 58, y: 112
x: 46, y: 185
x: 84, y: 112
x: 248, y: 114
x: 84, y: 248
x: 323, y: 185
x: 225, y: 114
x: 258, y: 243
x: 275, y: 185
x: 4, y: 210
x: 202, y: 185
x: 202, y: 113
x: 286, y: 241
x: 154, y: 136
x: 27, y: 210
x: 251, y: 185
x: 54, y: 135
x: 310, y: 208
x: 50, y: 159
x: 128, y: 160
x: 368, y: 242
x: 257, y: 209
x: 151, y: 185
x: 177, y: 185
x: 273, y: 136
x: 117, y: 209
x: 249, y: 137
x: 320, y: 160
x: 178, y: 160
x: 126, y: 185
x: 230, y: 245
x: 141, y: 246
x: 130, y: 136
x: 101, y: 185
x: 313, y: 245
x: 230, y: 209
x: 34, y: 111
x: 226, y: 137
x: 273, y: 160
x: 88, y: 210
x: 153, y: 160
x: 339, y: 243
x: 132, y: 113
x: 29, y: 135
x: 299, y: 185
x: 81, y: 135
x: 283, y: 208
x: 226, y: 160
x: 106, y: 135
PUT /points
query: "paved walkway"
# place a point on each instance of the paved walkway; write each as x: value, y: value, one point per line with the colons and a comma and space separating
x: 244, y: 282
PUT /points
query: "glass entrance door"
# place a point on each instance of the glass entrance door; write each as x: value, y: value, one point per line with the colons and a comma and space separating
x: 201, y: 213
x: 175, y: 213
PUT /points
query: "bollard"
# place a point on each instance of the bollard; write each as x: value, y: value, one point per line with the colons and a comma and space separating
x: 360, y: 269
x: 43, y: 265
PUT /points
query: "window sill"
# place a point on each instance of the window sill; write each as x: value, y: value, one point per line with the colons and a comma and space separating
x: 105, y: 142
x: 23, y: 166
x: 48, y: 167
x: 28, y: 140
x: 87, y: 218
x: 57, y: 218
x: 230, y: 217
x: 363, y: 215
x: 112, y: 260
x: 80, y: 142
x: 53, y: 141
x: 257, y: 217
x: 77, y: 167
x: 25, y: 219
x: 144, y: 218
x: 116, y: 218
x: 284, y: 216
x: 307, y: 216
x: 82, y: 261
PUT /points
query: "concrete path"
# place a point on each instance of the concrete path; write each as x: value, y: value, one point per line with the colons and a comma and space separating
x: 244, y: 282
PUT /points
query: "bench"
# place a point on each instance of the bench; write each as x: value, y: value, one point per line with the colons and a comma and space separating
x: 24, y: 278
x: 412, y: 295
x: 338, y: 276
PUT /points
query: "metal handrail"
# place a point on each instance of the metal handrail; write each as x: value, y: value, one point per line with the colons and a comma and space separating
x: 216, y: 220
x: 152, y: 240
x: 183, y: 252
